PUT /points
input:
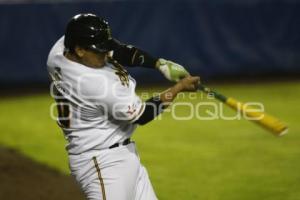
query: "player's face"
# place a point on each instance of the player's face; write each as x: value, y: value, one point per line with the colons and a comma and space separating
x: 91, y: 58
x: 94, y: 59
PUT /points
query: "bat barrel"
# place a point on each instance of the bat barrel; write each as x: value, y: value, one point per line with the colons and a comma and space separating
x: 269, y: 122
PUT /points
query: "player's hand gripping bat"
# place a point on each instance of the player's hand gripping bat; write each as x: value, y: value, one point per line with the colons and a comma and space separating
x: 269, y: 122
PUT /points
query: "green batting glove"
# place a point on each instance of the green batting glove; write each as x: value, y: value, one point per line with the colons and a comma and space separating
x: 172, y: 71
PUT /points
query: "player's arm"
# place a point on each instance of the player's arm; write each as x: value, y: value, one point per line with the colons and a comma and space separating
x: 132, y: 56
x: 128, y: 55
x: 154, y: 106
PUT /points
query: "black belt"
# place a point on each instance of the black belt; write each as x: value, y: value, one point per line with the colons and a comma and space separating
x: 124, y: 143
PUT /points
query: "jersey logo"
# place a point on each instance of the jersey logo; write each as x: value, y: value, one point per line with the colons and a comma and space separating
x: 131, y: 109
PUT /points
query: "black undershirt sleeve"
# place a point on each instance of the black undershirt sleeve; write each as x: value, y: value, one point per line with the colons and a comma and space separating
x: 131, y: 56
x: 153, y: 107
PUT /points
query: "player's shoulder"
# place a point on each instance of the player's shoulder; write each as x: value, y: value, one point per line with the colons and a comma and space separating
x: 56, y: 53
x: 56, y: 59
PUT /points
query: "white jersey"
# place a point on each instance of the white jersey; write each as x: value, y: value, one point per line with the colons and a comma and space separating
x: 96, y: 106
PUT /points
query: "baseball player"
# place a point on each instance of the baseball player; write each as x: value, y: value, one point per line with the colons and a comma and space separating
x: 99, y: 110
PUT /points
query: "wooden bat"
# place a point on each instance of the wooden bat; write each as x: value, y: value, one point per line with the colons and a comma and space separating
x: 268, y: 122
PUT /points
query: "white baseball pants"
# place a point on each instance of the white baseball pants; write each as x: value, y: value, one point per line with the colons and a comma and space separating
x: 112, y: 174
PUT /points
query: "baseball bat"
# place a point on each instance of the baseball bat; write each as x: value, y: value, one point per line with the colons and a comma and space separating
x: 277, y: 127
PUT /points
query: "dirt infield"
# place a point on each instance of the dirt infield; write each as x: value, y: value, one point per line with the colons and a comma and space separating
x: 22, y: 178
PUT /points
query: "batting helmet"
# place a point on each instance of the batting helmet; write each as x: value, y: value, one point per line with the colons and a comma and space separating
x: 89, y: 31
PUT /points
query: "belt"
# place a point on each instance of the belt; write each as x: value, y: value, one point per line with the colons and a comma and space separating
x: 124, y: 143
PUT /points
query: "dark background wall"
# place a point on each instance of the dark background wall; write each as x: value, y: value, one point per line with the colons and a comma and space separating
x: 215, y: 39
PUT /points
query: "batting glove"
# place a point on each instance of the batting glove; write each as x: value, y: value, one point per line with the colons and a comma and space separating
x: 172, y: 71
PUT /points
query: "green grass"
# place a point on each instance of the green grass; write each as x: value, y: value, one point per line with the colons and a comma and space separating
x: 194, y: 159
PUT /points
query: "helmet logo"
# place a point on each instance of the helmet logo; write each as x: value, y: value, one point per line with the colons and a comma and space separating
x: 109, y: 33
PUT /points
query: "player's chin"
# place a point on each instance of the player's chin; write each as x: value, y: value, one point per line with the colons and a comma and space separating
x: 99, y: 62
